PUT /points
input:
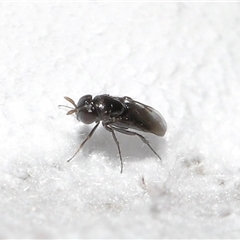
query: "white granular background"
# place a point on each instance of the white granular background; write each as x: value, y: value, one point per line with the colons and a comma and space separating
x: 183, y: 59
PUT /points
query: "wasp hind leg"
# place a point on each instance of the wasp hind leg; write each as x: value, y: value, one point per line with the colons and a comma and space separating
x: 124, y: 131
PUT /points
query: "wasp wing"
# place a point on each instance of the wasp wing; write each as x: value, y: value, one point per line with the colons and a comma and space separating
x: 141, y: 117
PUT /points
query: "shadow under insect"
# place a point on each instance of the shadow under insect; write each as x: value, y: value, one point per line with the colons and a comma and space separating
x: 132, y: 148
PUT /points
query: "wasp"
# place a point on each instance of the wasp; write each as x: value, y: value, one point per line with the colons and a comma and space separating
x: 118, y: 114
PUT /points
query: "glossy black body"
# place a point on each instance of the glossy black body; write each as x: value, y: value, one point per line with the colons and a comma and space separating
x: 121, y: 114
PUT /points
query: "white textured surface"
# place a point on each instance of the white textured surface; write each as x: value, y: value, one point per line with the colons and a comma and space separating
x: 180, y: 58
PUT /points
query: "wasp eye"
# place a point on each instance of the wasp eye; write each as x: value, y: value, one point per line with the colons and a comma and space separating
x: 86, y: 117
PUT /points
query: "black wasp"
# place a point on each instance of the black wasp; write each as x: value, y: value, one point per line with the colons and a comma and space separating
x: 121, y: 114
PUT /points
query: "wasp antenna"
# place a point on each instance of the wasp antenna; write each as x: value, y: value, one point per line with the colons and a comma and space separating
x: 71, y: 101
x: 71, y: 111
x: 65, y: 106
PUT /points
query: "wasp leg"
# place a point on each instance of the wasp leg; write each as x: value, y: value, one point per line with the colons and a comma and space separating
x: 88, y: 137
x: 110, y: 129
x: 121, y: 130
